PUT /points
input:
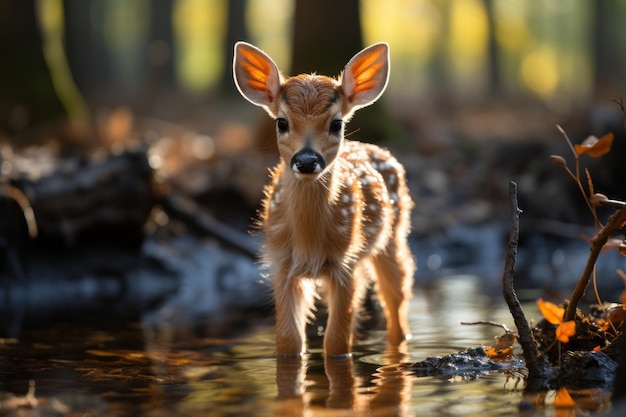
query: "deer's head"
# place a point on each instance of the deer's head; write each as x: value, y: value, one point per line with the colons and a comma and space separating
x: 310, y: 110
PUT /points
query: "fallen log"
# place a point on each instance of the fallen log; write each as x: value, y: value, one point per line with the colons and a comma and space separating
x: 186, y: 210
x: 94, y: 202
x: 76, y: 202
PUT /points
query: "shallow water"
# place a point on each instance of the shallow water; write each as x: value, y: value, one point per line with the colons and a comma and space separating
x: 161, y: 364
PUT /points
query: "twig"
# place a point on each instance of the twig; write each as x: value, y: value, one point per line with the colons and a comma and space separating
x: 488, y: 323
x: 188, y: 211
x: 576, y: 176
x: 620, y: 103
x: 615, y: 222
x: 27, y: 210
x: 567, y: 139
x: 535, y: 363
x: 612, y: 203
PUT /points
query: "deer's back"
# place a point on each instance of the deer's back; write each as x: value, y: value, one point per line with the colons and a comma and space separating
x: 386, y: 203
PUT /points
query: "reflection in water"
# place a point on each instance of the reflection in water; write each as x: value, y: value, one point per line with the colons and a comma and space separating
x: 393, y: 391
x: 385, y: 392
x: 168, y: 365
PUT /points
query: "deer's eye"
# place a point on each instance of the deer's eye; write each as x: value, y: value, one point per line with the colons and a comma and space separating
x: 282, y: 125
x: 335, y: 126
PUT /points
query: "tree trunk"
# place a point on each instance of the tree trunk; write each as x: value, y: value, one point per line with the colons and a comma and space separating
x: 493, y: 57
x: 161, y: 41
x: 326, y: 34
x: 236, y: 31
x: 81, y: 48
x: 27, y: 95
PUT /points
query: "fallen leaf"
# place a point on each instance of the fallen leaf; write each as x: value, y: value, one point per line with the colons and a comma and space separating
x: 563, y: 399
x: 615, y: 315
x: 503, y: 348
x: 595, y: 147
x: 566, y: 330
x: 551, y: 312
x: 613, y: 243
x: 603, y: 324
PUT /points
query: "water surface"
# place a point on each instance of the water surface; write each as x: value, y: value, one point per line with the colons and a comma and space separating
x: 165, y: 363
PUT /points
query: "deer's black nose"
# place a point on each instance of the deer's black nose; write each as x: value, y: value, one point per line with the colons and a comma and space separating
x: 307, y: 161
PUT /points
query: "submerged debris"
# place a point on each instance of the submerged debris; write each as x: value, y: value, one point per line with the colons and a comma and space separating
x: 584, y: 370
x: 12, y: 402
x: 468, y: 364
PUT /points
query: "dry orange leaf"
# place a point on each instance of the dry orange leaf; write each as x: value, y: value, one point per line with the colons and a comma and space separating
x: 595, y: 147
x: 551, y: 312
x: 503, y: 348
x: 565, y: 331
x: 491, y: 352
x: 563, y: 399
x: 613, y: 243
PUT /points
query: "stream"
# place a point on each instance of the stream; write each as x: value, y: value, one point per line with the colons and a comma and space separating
x: 161, y: 363
x: 198, y: 346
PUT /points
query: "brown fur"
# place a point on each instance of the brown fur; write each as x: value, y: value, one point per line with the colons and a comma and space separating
x: 339, y: 226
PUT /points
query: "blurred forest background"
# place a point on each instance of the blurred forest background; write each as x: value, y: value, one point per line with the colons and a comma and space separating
x: 476, y: 89
x: 121, y: 129
x: 69, y: 57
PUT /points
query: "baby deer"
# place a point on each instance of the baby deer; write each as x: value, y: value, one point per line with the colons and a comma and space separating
x: 336, y: 212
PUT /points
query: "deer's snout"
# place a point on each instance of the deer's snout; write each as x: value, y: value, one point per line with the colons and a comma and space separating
x: 307, y: 161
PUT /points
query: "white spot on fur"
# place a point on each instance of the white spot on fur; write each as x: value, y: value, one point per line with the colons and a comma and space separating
x: 384, y: 165
x: 345, y: 230
x: 372, y: 229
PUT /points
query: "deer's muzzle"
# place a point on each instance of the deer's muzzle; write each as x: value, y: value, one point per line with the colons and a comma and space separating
x: 307, y: 161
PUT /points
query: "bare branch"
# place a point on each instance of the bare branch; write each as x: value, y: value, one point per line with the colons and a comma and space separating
x: 535, y: 363
x: 615, y: 222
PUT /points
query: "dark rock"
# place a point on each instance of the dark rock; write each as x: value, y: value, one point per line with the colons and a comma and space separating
x: 468, y: 364
x: 580, y: 370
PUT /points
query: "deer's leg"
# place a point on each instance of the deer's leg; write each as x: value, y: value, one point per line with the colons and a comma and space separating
x: 343, y: 289
x: 394, y: 269
x: 294, y: 299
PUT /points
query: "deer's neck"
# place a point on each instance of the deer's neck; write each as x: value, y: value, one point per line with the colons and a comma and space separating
x: 307, y: 222
x: 313, y: 197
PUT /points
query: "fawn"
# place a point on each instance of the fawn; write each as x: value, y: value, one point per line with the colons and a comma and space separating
x: 337, y: 212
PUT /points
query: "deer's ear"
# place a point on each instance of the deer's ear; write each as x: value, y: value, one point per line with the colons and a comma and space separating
x: 257, y: 77
x: 365, y: 76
